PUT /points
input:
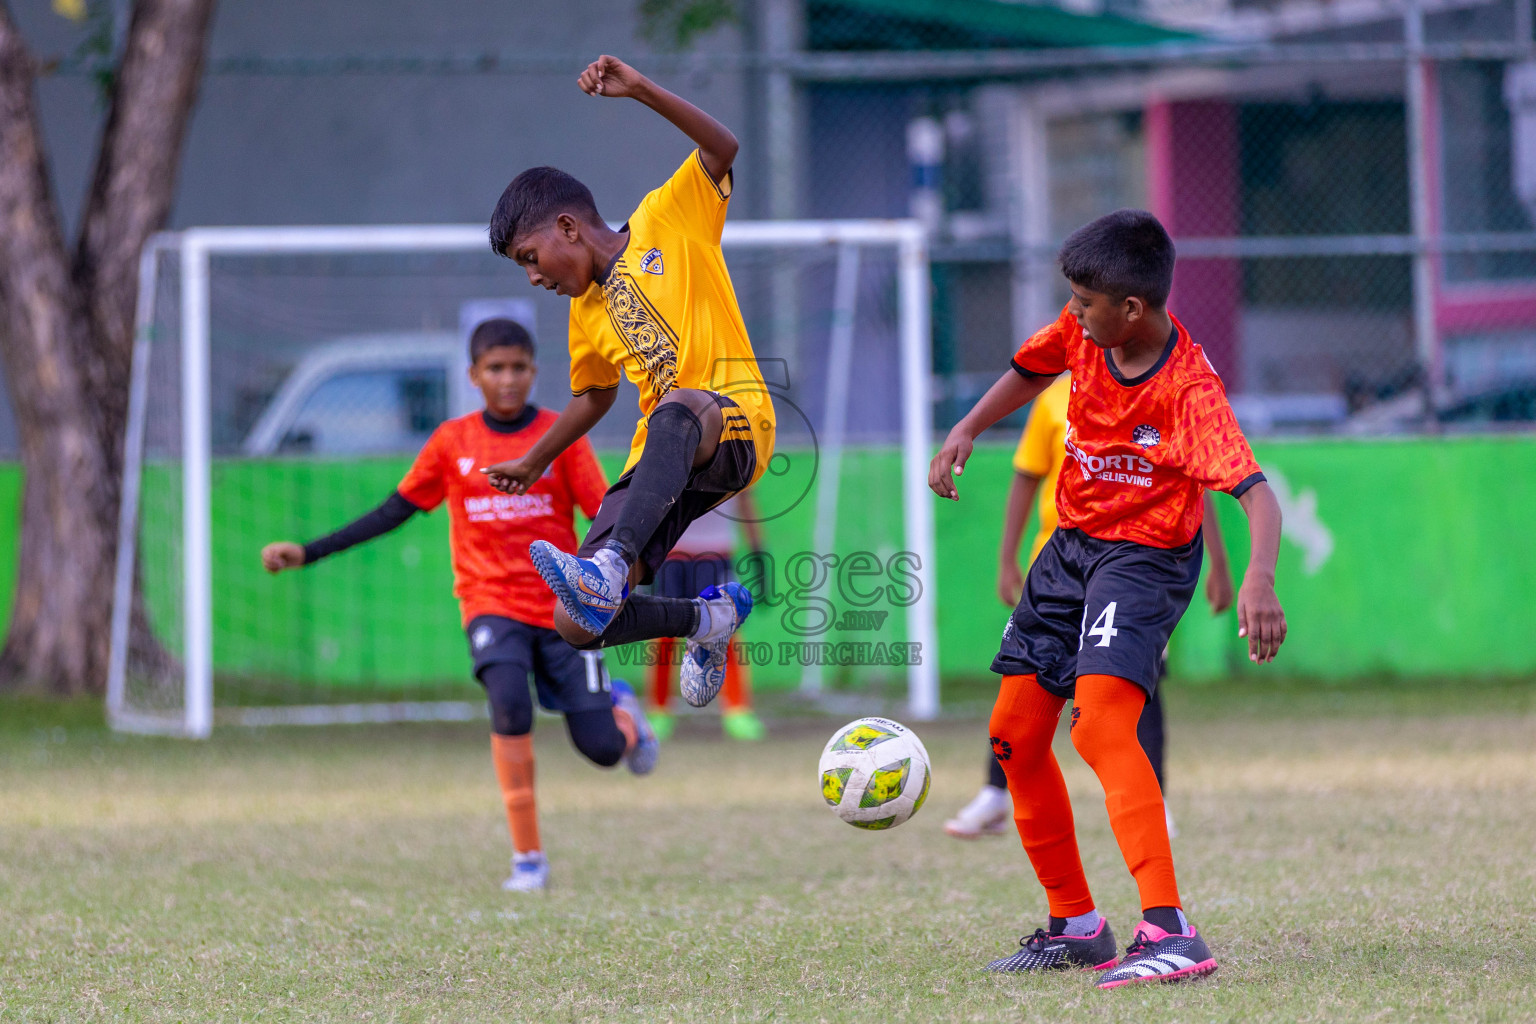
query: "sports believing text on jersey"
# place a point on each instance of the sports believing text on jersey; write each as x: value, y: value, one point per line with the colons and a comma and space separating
x: 489, y: 532
x: 1140, y: 451
x: 665, y: 313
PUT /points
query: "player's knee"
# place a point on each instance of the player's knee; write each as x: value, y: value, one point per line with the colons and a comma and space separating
x: 506, y: 693
x: 1002, y: 727
x: 1095, y: 735
x: 574, y: 634
x: 694, y: 400
x: 596, y: 737
x: 511, y: 721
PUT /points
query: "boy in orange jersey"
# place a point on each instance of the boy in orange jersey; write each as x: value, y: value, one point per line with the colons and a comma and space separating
x: 652, y: 301
x: 1149, y: 429
x: 507, y: 610
x: 1036, y: 469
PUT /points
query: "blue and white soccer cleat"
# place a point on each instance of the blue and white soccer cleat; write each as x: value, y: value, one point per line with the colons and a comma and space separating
x: 703, y: 671
x: 530, y: 873
x: 591, y: 590
x: 641, y: 759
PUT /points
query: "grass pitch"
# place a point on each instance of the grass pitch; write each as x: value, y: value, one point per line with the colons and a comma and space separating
x: 1351, y: 855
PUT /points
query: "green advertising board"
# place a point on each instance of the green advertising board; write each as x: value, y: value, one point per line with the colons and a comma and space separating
x: 1406, y: 557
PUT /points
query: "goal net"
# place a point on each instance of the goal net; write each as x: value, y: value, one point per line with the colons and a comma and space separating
x: 284, y: 378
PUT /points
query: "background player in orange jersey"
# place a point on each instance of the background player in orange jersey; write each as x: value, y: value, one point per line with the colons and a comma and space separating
x: 705, y: 556
x: 507, y: 610
x: 1149, y: 429
x: 1036, y: 468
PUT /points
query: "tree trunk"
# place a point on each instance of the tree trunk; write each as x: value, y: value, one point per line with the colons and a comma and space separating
x: 66, y: 334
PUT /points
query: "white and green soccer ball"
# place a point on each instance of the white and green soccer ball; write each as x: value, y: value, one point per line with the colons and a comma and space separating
x: 874, y: 773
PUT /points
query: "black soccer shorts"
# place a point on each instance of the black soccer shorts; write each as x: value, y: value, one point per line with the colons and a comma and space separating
x: 565, y: 679
x: 728, y: 471
x: 1098, y: 607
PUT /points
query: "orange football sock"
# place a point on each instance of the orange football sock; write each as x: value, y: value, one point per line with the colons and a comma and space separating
x: 513, y: 758
x: 661, y: 674
x: 737, y: 691
x: 1104, y: 732
x: 1023, y: 725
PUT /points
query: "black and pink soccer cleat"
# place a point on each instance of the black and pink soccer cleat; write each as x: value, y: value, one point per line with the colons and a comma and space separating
x: 1156, y: 955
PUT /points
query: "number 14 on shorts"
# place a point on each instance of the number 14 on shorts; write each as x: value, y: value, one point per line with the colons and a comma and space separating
x: 1103, y: 627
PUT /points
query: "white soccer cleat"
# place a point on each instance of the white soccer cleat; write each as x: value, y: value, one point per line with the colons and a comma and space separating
x: 530, y: 873
x: 988, y: 814
x: 703, y: 670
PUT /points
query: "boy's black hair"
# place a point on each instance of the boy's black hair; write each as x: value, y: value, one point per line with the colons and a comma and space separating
x: 491, y: 334
x: 536, y: 197
x: 1121, y: 254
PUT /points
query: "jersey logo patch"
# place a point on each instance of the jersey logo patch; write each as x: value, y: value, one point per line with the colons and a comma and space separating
x: 651, y: 263
x: 465, y: 465
x: 1146, y: 436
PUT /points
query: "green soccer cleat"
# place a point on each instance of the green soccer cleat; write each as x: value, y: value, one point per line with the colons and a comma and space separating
x: 743, y: 725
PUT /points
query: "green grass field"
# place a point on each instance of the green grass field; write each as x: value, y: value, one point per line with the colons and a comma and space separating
x: 1352, y: 854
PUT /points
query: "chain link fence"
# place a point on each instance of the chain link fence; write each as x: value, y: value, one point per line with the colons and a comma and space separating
x: 1352, y: 195
x: 1351, y: 186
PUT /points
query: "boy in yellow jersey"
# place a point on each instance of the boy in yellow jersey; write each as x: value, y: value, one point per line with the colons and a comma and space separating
x: 1036, y: 466
x: 651, y: 301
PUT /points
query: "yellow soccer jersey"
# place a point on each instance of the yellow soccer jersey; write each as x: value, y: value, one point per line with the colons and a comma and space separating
x: 665, y: 314
x: 1041, y: 451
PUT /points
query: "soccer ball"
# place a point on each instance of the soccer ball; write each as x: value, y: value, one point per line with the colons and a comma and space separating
x: 874, y: 773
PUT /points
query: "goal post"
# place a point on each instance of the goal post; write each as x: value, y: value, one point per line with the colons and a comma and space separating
x: 220, y: 307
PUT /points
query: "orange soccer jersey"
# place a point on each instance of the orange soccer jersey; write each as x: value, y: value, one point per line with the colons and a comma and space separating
x: 489, y: 531
x: 1140, y: 451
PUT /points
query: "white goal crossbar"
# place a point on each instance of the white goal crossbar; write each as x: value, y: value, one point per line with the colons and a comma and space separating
x: 195, y: 247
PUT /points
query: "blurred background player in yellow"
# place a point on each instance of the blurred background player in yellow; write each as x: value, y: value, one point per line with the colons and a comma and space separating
x: 1036, y: 467
x: 705, y: 556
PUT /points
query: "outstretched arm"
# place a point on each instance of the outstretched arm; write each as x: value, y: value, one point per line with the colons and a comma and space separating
x: 580, y: 415
x: 1218, y: 581
x: 611, y: 77
x: 1259, y: 616
x: 285, y: 554
x: 1021, y: 495
x: 1012, y: 391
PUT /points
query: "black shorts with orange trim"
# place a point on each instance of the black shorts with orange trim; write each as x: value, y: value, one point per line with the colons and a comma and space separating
x: 1098, y: 607
x: 730, y: 470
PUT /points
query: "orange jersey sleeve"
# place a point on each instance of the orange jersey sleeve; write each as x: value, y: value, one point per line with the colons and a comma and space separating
x: 425, y: 483
x: 584, y: 477
x: 1044, y: 353
x: 1211, y: 448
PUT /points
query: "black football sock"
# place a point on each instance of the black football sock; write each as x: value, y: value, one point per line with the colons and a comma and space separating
x: 1169, y: 919
x: 650, y: 618
x: 995, y: 776
x: 1151, y: 733
x: 672, y: 438
x: 1082, y: 924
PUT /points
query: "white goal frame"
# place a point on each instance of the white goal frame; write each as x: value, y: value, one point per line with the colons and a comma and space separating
x: 196, y: 246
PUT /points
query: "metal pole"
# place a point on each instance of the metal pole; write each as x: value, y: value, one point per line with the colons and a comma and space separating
x: 1416, y: 70
x: 845, y: 297
x: 916, y: 440
x: 133, y: 462
x: 1030, y: 220
x: 781, y: 39
x: 196, y: 456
